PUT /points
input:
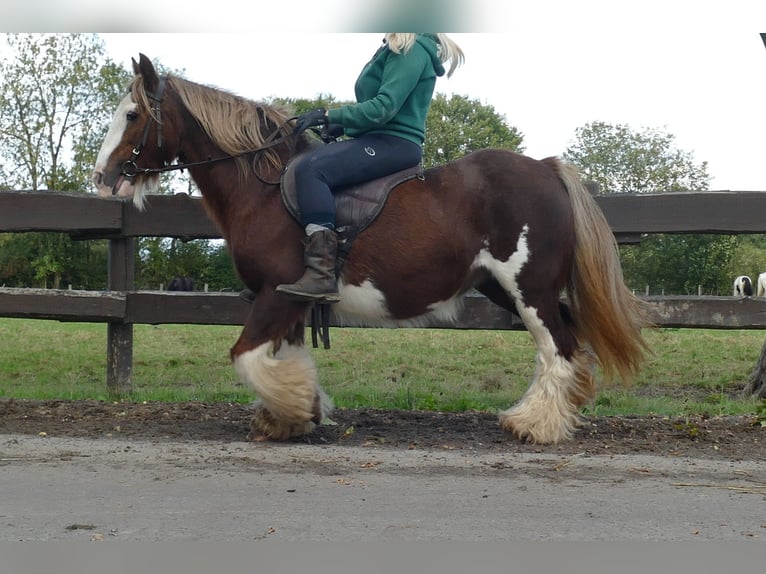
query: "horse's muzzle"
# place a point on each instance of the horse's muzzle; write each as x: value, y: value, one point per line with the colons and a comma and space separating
x: 103, y: 188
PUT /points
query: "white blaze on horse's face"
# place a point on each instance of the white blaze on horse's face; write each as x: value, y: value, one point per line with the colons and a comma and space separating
x: 120, y: 186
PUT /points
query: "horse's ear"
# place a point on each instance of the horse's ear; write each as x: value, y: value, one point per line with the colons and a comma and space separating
x: 145, y: 68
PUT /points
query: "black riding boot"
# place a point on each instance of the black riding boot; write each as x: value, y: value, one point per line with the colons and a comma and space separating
x: 247, y: 295
x: 318, y: 281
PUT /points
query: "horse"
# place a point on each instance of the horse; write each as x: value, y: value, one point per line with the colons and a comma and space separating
x: 760, y: 285
x: 523, y: 232
x: 743, y: 286
x: 181, y: 284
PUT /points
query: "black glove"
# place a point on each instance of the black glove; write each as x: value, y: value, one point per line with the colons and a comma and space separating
x: 310, y: 119
x: 331, y: 132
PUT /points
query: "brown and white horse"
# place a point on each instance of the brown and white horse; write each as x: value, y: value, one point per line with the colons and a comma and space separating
x: 520, y: 231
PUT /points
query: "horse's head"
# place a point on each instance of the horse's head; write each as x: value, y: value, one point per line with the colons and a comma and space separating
x: 163, y: 118
x: 134, y: 142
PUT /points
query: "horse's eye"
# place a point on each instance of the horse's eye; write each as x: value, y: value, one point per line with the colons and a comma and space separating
x: 132, y: 116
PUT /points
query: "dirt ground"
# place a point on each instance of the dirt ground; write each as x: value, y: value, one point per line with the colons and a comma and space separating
x: 727, y: 438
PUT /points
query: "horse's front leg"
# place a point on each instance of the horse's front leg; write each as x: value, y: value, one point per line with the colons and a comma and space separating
x: 271, y: 357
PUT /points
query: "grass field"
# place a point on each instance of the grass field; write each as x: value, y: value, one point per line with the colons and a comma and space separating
x: 691, y: 372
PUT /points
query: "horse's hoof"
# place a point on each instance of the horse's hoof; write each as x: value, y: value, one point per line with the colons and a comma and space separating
x: 530, y: 433
x: 263, y: 427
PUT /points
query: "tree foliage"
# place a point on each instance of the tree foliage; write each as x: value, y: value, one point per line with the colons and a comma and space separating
x: 302, y: 105
x: 457, y: 126
x: 622, y: 160
x: 681, y: 264
x: 161, y: 259
x: 55, y: 93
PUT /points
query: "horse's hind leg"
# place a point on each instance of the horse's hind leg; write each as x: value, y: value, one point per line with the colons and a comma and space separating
x: 271, y: 357
x: 563, y: 380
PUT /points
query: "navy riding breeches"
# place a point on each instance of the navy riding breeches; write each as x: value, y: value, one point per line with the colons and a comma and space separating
x: 347, y: 162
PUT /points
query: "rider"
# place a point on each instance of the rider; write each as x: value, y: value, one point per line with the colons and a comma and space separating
x: 386, y: 128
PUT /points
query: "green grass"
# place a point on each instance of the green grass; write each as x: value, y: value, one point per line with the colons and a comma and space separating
x: 692, y: 371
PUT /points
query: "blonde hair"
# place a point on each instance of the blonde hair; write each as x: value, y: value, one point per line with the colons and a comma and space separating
x: 449, y: 51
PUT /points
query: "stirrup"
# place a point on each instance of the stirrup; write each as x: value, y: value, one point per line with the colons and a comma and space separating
x: 319, y: 298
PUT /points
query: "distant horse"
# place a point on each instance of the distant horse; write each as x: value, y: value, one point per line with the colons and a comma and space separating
x: 181, y: 284
x: 520, y: 231
x: 760, y: 286
x: 743, y: 286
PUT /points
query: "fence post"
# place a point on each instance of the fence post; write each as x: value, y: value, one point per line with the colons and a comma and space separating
x: 119, y: 351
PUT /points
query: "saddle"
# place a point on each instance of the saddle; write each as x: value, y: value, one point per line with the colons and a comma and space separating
x: 356, y: 206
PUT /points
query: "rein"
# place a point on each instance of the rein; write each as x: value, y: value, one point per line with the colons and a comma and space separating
x: 130, y: 168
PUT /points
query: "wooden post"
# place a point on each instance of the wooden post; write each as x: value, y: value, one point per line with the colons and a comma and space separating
x: 756, y: 385
x: 119, y: 351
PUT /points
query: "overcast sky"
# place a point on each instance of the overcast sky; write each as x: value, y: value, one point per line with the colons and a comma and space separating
x: 692, y: 69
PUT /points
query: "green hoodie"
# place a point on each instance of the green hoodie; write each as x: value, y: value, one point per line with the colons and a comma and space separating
x: 394, y: 93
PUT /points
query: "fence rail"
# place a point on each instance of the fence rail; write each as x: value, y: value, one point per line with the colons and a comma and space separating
x: 198, y: 308
x: 629, y: 215
x: 121, y: 306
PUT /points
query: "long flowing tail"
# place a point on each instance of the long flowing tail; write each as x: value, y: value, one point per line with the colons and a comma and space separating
x: 607, y: 315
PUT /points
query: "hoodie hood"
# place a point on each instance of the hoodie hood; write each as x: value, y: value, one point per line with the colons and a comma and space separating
x: 431, y: 45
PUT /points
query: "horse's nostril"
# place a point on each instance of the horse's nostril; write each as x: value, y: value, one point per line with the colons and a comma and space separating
x: 97, y: 178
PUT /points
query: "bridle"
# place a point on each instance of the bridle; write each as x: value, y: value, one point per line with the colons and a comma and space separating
x: 130, y: 168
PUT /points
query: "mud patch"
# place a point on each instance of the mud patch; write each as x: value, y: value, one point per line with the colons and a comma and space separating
x: 733, y: 438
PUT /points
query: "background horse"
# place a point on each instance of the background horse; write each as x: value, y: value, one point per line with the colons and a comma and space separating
x: 518, y: 230
x: 743, y: 286
x: 760, y: 285
x: 181, y: 284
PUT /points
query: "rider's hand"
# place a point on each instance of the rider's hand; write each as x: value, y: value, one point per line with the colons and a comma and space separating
x: 310, y: 119
x: 331, y: 132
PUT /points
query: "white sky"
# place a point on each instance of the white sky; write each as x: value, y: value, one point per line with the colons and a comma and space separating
x: 689, y: 68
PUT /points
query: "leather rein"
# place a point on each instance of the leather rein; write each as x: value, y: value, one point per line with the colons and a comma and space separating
x: 130, y: 168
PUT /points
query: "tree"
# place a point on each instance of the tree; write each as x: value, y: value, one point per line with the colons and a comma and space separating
x: 680, y: 264
x: 161, y: 259
x: 56, y: 93
x: 621, y: 160
x: 457, y: 126
x: 55, y: 102
x: 301, y: 105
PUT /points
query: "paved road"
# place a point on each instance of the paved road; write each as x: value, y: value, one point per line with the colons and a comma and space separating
x: 108, y: 489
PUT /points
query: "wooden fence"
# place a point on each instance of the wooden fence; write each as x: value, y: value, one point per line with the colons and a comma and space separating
x: 121, y: 306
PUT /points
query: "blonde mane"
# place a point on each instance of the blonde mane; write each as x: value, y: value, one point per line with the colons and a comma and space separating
x: 235, y: 124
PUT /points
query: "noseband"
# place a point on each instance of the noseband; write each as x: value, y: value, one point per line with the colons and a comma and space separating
x: 130, y: 169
